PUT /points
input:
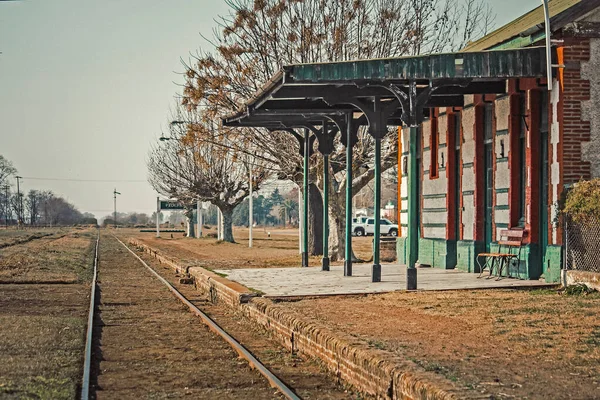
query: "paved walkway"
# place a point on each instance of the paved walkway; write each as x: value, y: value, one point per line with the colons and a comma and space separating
x: 313, y: 281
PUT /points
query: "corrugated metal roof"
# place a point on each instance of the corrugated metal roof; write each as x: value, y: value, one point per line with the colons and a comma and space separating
x: 525, y: 23
x: 474, y: 65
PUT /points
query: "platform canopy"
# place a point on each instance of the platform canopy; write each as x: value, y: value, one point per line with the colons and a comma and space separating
x: 305, y: 93
x: 326, y: 98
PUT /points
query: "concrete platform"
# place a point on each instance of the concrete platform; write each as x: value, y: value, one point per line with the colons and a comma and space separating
x: 281, y: 282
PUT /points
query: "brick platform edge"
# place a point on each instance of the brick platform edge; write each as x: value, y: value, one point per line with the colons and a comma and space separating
x: 369, y: 370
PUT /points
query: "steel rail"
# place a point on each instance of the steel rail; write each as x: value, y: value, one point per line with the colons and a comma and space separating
x: 274, y: 381
x: 87, y: 360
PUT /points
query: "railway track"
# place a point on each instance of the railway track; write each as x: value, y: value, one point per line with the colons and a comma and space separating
x: 140, y: 340
x: 31, y: 238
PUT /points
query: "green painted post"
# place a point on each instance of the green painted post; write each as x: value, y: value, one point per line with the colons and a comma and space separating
x: 413, y: 218
x: 325, y: 265
x: 305, y: 205
x: 348, y: 255
x: 376, y: 269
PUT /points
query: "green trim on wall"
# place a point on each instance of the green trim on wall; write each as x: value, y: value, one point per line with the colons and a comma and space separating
x: 442, y: 145
x: 401, y: 198
x: 466, y: 252
x: 501, y: 225
x: 442, y: 169
x: 401, y: 249
x: 501, y: 160
x: 468, y: 165
x: 403, y: 211
x: 502, y: 190
x: 502, y: 207
x: 437, y: 253
x: 435, y: 210
x: 432, y: 225
x: 468, y: 192
x: 502, y: 132
x: 426, y: 148
x: 435, y: 196
x: 553, y: 263
x: 405, y: 153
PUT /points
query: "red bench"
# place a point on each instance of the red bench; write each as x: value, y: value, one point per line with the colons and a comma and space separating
x: 509, y: 250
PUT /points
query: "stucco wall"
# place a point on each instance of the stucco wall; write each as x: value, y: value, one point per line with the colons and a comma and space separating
x: 468, y: 178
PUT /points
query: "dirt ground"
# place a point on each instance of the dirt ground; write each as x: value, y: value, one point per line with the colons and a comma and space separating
x: 150, y: 345
x: 307, y: 377
x: 42, y: 326
x: 278, y: 250
x: 503, y: 343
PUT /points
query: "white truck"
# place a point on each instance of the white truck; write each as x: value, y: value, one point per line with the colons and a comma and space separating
x: 362, y: 226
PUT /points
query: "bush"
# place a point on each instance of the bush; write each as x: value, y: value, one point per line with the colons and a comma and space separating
x: 583, y: 201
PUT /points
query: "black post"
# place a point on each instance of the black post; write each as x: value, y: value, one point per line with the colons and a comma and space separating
x: 305, y: 216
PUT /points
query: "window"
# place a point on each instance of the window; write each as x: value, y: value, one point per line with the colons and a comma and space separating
x: 434, y: 145
x: 384, y: 222
x: 488, y: 121
x: 370, y: 221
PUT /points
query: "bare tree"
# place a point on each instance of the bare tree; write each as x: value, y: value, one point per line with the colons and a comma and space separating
x: 190, y: 167
x: 260, y: 36
x: 32, y: 203
x: 6, y: 169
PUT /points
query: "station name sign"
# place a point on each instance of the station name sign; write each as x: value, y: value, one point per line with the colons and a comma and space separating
x: 171, y: 205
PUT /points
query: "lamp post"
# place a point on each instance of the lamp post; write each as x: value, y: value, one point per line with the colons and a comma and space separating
x: 115, y: 193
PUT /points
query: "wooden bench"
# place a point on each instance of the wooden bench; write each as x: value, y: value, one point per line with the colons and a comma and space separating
x: 509, y: 250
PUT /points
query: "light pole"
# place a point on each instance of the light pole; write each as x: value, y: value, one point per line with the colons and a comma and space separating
x: 115, y: 193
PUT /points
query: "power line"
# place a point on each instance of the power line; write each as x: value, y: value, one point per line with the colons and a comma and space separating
x: 86, y: 180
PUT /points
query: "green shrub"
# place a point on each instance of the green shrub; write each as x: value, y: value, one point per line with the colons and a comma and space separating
x: 583, y: 201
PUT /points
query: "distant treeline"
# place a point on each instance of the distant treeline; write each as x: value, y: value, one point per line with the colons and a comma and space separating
x: 37, y: 207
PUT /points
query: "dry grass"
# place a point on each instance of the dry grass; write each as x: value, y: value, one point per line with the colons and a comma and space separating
x: 279, y: 249
x: 55, y: 258
x: 12, y: 236
x: 508, y: 344
x: 42, y: 325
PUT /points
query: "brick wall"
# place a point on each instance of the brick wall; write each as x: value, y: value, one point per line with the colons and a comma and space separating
x: 576, y: 129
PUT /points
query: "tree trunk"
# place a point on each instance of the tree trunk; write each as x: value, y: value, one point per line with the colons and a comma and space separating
x: 337, y: 227
x: 315, y: 221
x: 227, y: 225
x: 189, y: 219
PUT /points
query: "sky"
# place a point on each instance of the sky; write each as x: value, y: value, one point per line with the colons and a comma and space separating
x: 86, y: 88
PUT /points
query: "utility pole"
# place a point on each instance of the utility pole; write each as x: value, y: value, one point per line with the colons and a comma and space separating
x: 115, y: 193
x: 199, y: 218
x: 6, y: 204
x: 157, y: 216
x: 20, y: 203
x: 250, y: 212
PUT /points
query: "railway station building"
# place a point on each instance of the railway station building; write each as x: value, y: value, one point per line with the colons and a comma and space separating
x: 503, y: 160
x: 489, y: 139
